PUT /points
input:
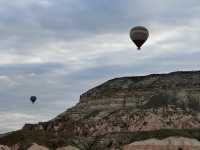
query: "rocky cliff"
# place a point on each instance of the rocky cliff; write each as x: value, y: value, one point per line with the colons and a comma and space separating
x: 121, y: 111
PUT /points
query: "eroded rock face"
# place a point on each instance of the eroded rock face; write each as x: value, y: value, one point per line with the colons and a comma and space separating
x: 3, y: 147
x: 134, y: 91
x: 129, y: 104
x: 13, y: 147
x: 132, y: 121
x: 135, y: 104
x: 171, y: 143
x: 35, y: 146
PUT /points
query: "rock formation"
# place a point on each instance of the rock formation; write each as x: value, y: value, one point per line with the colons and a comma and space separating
x: 121, y: 111
x: 171, y: 143
x: 35, y: 146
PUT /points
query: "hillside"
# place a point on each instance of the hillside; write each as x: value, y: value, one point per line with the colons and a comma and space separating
x: 120, y: 112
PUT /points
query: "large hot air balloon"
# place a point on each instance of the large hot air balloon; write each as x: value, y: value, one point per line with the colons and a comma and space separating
x: 33, y: 99
x: 139, y: 35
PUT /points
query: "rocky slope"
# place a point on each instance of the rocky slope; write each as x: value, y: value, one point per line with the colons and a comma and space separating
x: 121, y: 111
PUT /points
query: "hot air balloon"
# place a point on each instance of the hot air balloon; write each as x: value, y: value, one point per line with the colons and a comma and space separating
x: 33, y: 99
x: 139, y: 35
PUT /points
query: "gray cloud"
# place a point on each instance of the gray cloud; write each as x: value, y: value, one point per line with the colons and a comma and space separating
x: 35, y: 24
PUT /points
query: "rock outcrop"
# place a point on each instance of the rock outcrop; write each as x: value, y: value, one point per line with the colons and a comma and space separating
x: 171, y: 143
x: 35, y: 146
x: 124, y: 107
x: 4, y: 147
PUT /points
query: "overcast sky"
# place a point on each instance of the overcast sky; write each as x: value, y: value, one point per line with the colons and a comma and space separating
x: 57, y: 50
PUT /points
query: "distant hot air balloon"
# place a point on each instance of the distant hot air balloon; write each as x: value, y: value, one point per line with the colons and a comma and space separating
x: 33, y: 99
x: 139, y: 35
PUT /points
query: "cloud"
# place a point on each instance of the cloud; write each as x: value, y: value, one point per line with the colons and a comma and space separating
x: 13, y: 120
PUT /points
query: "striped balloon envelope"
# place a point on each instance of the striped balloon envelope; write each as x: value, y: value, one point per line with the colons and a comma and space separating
x: 139, y: 35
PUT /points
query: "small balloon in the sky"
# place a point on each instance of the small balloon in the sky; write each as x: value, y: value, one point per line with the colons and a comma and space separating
x: 139, y: 35
x: 33, y: 99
